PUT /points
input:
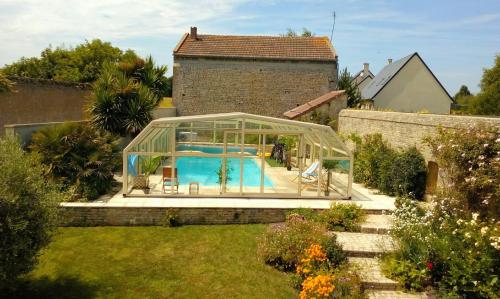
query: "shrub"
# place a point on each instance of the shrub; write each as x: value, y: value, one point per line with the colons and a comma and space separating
x: 469, y: 160
x: 408, y: 174
x: 306, y: 213
x: 171, y: 218
x: 28, y: 207
x: 282, y: 246
x: 369, y: 157
x: 406, y: 273
x: 81, y: 158
x: 379, y: 166
x: 343, y: 217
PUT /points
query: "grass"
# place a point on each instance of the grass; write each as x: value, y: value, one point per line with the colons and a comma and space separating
x: 155, y: 262
x: 274, y: 163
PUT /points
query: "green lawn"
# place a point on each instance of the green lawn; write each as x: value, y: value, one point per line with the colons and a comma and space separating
x: 274, y: 163
x: 156, y: 262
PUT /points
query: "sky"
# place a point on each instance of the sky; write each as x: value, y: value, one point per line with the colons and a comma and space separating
x: 457, y: 39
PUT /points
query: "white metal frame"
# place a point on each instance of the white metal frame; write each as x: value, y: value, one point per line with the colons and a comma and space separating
x: 318, y: 136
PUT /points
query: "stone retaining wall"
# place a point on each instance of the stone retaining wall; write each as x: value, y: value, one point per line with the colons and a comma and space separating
x: 147, y: 216
x: 405, y: 129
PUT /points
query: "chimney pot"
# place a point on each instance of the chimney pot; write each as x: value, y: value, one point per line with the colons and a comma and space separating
x: 366, y: 68
x: 389, y: 60
x: 194, y: 33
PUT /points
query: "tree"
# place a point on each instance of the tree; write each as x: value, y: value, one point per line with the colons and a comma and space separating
x: 487, y: 102
x: 5, y: 83
x: 292, y: 33
x: 462, y: 92
x: 28, y: 208
x: 81, y: 158
x: 346, y: 83
x: 80, y: 64
x: 125, y: 95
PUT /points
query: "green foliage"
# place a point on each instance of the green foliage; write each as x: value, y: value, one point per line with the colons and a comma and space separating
x: 220, y: 174
x: 343, y: 217
x: 377, y: 165
x: 292, y: 33
x: 470, y: 163
x: 5, y: 84
x: 28, y: 209
x: 81, y: 158
x: 282, y: 245
x: 438, y: 246
x: 487, y: 101
x: 408, y: 174
x: 306, y: 213
x: 462, y: 92
x: 346, y: 83
x: 125, y: 95
x: 150, y: 164
x: 80, y: 64
x: 335, y: 254
x: 171, y: 218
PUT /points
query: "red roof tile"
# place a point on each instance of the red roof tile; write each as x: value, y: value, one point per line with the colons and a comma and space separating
x: 257, y: 47
x: 311, y: 105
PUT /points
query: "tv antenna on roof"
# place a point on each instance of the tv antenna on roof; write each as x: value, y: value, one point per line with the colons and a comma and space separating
x: 333, y: 27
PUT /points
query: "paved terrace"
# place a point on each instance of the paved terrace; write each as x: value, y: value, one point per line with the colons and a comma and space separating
x: 367, y: 199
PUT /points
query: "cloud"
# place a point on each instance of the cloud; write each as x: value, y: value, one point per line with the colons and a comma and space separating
x: 33, y: 24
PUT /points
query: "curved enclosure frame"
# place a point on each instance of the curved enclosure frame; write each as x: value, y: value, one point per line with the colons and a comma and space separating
x: 237, y: 155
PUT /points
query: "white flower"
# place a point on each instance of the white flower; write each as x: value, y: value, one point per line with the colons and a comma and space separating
x: 440, y: 147
x: 475, y: 215
x: 486, y: 145
x: 481, y: 157
x: 476, y: 244
x: 485, y: 202
x: 467, y: 235
x: 475, y: 282
x: 460, y: 221
x: 463, y: 155
x: 484, y: 230
x: 454, y: 146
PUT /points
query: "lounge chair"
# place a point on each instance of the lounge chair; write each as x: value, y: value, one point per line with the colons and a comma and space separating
x: 310, y: 172
x: 167, y: 179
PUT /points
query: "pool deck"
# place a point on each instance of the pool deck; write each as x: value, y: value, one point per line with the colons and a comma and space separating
x: 366, y: 198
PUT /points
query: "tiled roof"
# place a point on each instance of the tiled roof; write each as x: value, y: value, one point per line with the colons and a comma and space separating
x: 309, y: 106
x: 257, y: 47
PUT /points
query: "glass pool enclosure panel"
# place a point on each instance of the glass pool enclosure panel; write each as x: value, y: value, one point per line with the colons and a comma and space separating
x: 236, y: 154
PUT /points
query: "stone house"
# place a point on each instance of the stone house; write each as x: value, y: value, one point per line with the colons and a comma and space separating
x: 362, y: 78
x: 265, y: 75
x: 408, y: 85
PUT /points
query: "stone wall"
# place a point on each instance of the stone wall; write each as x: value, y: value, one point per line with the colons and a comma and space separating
x: 40, y: 101
x: 405, y: 129
x: 270, y: 88
x: 129, y: 216
x: 24, y: 131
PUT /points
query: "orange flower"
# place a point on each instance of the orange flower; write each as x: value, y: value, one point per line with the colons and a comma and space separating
x: 320, y: 286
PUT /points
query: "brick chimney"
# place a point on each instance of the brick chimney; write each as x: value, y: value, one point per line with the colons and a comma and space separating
x: 389, y: 61
x: 366, y: 68
x: 194, y: 33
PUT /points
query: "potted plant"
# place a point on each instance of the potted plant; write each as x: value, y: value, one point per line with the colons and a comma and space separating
x: 329, y: 165
x: 220, y: 175
x: 289, y: 143
x: 149, y: 166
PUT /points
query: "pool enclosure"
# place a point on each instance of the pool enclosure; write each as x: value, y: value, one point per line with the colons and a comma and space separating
x: 237, y: 155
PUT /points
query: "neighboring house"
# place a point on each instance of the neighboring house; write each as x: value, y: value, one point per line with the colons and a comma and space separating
x: 321, y: 110
x: 265, y: 75
x: 362, y: 78
x: 408, y: 85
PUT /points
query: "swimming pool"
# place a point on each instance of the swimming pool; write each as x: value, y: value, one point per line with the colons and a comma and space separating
x: 204, y: 169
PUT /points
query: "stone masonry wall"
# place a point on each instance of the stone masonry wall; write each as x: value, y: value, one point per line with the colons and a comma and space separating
x: 405, y: 129
x: 270, y: 88
x: 37, y: 101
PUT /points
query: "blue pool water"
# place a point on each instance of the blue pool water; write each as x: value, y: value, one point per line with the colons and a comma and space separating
x: 204, y: 169
x: 214, y: 149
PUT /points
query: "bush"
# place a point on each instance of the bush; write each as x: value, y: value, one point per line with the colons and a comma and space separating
x: 283, y: 245
x: 82, y: 158
x: 469, y: 160
x: 379, y: 166
x: 335, y: 255
x: 437, y: 246
x: 409, y: 173
x: 343, y: 217
x: 171, y: 218
x: 28, y: 208
x: 306, y: 213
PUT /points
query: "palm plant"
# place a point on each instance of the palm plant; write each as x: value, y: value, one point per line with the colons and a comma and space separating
x: 121, y: 105
x: 81, y: 158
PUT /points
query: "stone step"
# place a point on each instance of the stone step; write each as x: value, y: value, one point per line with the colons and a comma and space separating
x: 371, y: 275
x: 376, y: 224
x: 363, y: 244
x: 378, y: 294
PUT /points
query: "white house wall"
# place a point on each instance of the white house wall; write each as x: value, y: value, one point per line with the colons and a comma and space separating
x: 413, y: 89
